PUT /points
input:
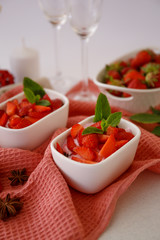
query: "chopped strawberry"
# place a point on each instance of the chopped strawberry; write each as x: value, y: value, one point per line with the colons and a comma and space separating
x: 25, y: 108
x: 102, y: 138
x: 11, y: 108
x: 142, y: 57
x: 97, y: 125
x: 23, y: 123
x: 123, y: 135
x: 70, y: 143
x: 59, y: 149
x: 40, y: 108
x: 56, y: 103
x: 131, y: 75
x: 80, y: 137
x: 13, y: 121
x: 38, y: 115
x: 81, y: 160
x: 112, y: 130
x: 137, y: 84
x: 31, y: 119
x: 75, y: 129
x: 90, y: 140
x: 85, y: 153
x: 46, y: 97
x: 120, y: 143
x: 3, y: 118
x: 109, y: 147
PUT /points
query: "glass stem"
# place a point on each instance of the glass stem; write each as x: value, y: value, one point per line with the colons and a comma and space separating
x: 56, y: 50
x: 85, y: 65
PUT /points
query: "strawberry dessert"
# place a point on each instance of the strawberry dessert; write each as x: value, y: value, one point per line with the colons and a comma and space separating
x: 139, y: 72
x: 35, y: 105
x: 96, y: 141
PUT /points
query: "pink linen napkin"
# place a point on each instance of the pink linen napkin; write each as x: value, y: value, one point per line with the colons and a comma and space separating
x: 52, y: 209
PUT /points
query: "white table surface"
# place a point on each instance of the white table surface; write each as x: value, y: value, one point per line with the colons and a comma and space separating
x: 125, y: 25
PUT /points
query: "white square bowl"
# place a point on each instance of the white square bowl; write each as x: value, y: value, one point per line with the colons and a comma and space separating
x: 140, y: 100
x: 35, y: 134
x: 91, y: 178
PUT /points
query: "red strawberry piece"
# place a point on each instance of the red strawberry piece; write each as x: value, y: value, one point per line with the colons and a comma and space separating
x: 11, y: 108
x: 123, y: 135
x: 13, y: 121
x: 3, y: 118
x: 85, y: 153
x: 81, y: 160
x: 25, y: 108
x: 59, y: 149
x: 46, y: 97
x: 38, y: 115
x: 112, y: 130
x: 115, y: 74
x: 120, y: 143
x: 40, y: 108
x: 109, y: 147
x: 56, y: 103
x: 75, y: 130
x: 80, y: 137
x: 102, y: 138
x: 97, y: 125
x: 131, y: 75
x: 23, y: 123
x: 31, y: 119
x: 90, y: 140
x: 137, y: 84
x: 70, y: 143
x: 142, y: 57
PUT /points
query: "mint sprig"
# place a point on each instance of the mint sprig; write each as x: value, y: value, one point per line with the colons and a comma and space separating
x: 34, y: 92
x: 103, y: 114
x: 149, y: 118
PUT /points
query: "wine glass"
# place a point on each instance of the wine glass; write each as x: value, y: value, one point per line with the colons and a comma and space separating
x: 56, y: 13
x: 84, y: 16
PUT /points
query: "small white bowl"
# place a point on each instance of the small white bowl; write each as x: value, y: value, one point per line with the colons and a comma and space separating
x: 91, y: 178
x: 141, y: 99
x: 35, y: 134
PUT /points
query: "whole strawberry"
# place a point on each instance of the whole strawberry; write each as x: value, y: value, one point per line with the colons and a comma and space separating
x: 142, y: 57
x: 6, y: 78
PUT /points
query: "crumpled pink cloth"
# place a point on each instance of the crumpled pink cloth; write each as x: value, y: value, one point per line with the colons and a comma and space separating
x: 52, y: 209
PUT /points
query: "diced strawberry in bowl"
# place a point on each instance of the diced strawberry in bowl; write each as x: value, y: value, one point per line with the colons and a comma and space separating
x: 29, y: 118
x: 106, y: 148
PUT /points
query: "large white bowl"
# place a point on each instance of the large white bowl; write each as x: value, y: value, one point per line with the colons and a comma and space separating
x: 141, y: 99
x: 91, y: 178
x: 35, y: 134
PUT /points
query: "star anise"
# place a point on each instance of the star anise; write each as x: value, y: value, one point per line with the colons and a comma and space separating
x: 9, y: 207
x: 18, y: 177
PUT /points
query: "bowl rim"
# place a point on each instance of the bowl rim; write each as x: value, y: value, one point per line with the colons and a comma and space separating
x: 123, y: 89
x: 60, y: 95
x: 65, y: 133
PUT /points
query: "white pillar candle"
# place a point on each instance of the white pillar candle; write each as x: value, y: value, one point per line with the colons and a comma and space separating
x: 24, y: 62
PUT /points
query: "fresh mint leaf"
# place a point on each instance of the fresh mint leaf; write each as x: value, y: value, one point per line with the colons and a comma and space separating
x: 156, y: 131
x: 29, y: 95
x: 33, y: 86
x: 146, y: 118
x: 37, y: 98
x: 90, y: 130
x: 103, y: 109
x: 155, y: 111
x: 44, y: 102
x: 114, y: 119
x: 104, y: 125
